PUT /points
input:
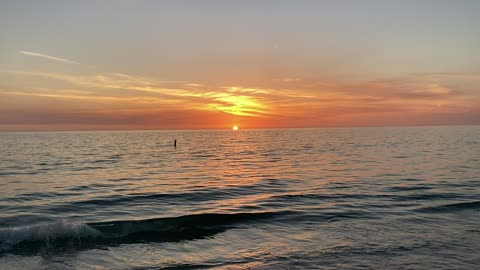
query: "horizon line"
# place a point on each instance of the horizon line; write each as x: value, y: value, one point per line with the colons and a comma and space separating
x: 229, y: 129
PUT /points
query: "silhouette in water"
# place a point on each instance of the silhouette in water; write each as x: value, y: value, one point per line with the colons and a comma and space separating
x: 175, y: 144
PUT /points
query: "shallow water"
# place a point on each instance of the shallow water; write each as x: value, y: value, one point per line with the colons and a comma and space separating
x: 350, y: 198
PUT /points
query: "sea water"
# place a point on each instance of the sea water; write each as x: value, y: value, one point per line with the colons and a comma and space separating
x: 346, y: 198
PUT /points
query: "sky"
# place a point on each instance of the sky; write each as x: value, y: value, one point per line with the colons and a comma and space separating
x: 108, y: 65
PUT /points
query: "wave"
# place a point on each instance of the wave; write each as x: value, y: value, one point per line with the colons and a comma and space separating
x: 407, y: 188
x: 453, y: 207
x: 202, y: 194
x: 62, y: 229
x: 351, y: 196
x: 63, y: 233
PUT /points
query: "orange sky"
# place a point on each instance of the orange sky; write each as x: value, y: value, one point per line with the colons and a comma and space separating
x: 117, y: 101
x: 178, y: 66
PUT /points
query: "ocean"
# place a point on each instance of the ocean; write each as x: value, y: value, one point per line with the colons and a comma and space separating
x: 339, y: 198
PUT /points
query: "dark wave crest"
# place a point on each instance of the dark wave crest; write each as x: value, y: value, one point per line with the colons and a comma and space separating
x: 453, y: 207
x: 65, y: 234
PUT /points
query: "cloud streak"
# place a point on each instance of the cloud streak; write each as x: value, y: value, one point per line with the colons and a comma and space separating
x: 49, y: 57
x: 231, y: 103
x: 304, y: 103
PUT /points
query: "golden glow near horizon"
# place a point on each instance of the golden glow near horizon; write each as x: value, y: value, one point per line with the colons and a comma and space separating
x: 202, y: 70
x: 241, y: 105
x: 235, y: 127
x: 119, y: 101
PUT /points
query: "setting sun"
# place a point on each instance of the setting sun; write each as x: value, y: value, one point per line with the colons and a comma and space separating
x: 349, y: 110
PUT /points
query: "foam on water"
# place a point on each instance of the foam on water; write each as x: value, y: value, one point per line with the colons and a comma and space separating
x: 46, y: 233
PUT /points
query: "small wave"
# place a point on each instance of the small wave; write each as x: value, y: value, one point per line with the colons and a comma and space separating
x: 108, y: 161
x: 92, y: 186
x: 300, y: 196
x: 62, y: 233
x: 315, y: 196
x: 453, y: 207
x: 201, y: 194
x: 426, y: 197
x: 410, y: 179
x: 86, y: 168
x: 165, y: 228
x: 335, y: 216
x: 7, y: 173
x: 45, y: 233
x: 135, y: 198
x: 34, y: 196
x: 407, y: 188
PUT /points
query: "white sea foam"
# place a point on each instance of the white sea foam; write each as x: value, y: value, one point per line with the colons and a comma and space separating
x: 45, y: 232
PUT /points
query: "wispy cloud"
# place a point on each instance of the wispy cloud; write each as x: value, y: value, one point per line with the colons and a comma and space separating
x: 148, y: 100
x: 49, y: 57
x: 241, y: 103
x: 306, y: 98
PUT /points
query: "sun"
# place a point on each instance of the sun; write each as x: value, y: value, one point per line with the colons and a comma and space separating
x: 235, y: 127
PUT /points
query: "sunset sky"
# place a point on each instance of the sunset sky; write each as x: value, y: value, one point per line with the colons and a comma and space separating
x: 88, y: 65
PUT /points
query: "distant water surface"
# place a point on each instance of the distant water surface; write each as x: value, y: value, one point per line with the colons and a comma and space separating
x: 350, y: 198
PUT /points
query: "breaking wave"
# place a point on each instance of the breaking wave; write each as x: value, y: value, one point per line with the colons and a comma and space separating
x: 64, y: 233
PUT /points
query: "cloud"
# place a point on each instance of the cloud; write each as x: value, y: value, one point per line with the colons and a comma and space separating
x: 220, y: 100
x: 306, y: 102
x: 89, y: 97
x: 49, y: 57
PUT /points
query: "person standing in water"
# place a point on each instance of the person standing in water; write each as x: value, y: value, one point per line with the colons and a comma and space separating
x: 175, y: 144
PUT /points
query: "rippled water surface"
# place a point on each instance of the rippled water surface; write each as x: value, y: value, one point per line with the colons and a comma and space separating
x: 361, y: 198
